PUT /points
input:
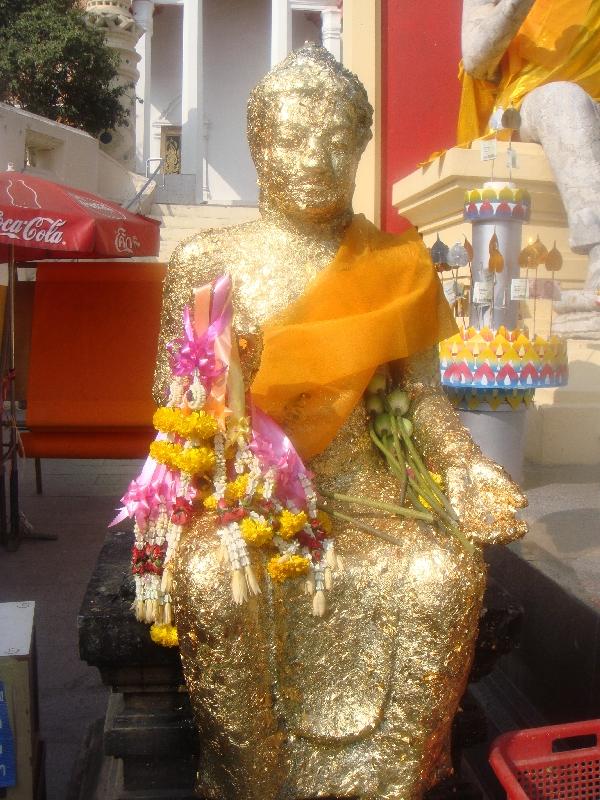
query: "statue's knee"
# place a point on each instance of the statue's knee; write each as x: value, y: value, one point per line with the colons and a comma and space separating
x: 439, y: 580
x: 550, y: 106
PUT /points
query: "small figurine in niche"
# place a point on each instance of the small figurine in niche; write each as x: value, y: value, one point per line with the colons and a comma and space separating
x: 358, y: 701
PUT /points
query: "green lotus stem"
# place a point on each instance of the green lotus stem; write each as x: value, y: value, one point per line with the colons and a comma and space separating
x: 370, y: 503
x: 468, y: 546
x: 425, y: 472
x: 400, y: 457
x: 414, y: 499
x: 387, y: 453
x: 363, y: 526
x: 419, y: 488
x: 436, y: 507
x: 397, y: 470
x: 426, y: 488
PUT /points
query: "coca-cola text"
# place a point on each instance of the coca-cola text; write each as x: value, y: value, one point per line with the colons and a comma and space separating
x: 42, y: 230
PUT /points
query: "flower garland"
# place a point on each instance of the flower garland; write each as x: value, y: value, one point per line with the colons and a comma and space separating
x: 238, y: 466
x: 216, y: 454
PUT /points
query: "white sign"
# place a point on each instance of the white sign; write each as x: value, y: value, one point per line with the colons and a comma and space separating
x: 519, y: 289
x: 453, y: 290
x: 511, y: 158
x: 483, y: 291
x: 16, y: 625
x: 488, y: 149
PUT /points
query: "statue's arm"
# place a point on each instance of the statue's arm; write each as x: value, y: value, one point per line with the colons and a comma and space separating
x: 488, y: 27
x: 191, y: 265
x: 483, y: 494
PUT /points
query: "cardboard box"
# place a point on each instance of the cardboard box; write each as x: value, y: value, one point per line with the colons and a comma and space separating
x: 19, y: 718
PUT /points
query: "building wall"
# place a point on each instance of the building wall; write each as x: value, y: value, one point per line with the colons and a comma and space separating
x: 306, y: 27
x: 420, y: 88
x: 57, y: 152
x: 362, y: 55
x: 236, y: 56
x: 166, y: 72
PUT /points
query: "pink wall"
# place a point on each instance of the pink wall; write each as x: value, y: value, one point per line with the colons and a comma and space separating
x: 420, y: 89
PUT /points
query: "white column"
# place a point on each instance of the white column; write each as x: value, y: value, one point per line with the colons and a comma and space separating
x: 143, y: 11
x: 192, y: 129
x: 331, y: 31
x: 281, y: 30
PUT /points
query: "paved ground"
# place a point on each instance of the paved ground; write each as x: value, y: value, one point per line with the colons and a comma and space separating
x: 78, y: 501
x: 564, y: 536
x: 77, y: 504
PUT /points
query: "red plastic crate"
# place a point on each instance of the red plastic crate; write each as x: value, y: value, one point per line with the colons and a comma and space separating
x: 559, y: 762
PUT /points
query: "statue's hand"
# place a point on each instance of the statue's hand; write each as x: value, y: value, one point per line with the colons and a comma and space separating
x: 486, y: 500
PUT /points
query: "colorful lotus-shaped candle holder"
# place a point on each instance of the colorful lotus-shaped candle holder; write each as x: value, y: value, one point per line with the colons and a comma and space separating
x: 490, y: 204
x: 498, y: 367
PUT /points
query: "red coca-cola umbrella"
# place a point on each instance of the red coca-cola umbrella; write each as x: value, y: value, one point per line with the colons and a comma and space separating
x: 42, y: 220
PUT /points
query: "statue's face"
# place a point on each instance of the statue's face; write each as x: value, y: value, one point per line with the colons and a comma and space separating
x: 309, y: 166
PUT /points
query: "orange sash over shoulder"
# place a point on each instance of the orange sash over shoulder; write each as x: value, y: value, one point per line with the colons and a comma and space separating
x: 379, y: 300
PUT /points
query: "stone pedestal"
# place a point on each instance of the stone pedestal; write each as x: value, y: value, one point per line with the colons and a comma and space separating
x: 148, y: 745
x: 149, y: 739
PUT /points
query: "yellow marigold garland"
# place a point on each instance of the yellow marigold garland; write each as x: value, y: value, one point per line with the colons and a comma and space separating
x: 281, y: 568
x: 256, y: 531
x: 210, y: 502
x: 236, y: 489
x: 290, y: 524
x: 165, y: 635
x: 194, y: 425
x: 193, y: 460
x: 325, y: 521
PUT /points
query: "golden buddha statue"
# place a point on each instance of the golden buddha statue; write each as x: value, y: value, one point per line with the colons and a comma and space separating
x: 357, y: 702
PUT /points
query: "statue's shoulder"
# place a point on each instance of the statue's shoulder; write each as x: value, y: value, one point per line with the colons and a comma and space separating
x: 212, y: 252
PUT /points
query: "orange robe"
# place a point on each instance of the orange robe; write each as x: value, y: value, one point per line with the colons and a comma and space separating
x: 379, y: 300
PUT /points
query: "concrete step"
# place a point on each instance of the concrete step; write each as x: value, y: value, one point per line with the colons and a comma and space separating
x: 180, y: 222
x: 236, y: 213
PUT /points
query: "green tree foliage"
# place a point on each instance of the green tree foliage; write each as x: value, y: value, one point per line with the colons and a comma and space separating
x: 54, y: 64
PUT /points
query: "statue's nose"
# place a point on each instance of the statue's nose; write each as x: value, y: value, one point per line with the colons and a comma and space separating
x: 315, y: 154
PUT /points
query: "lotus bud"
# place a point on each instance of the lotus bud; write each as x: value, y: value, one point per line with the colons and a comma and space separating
x: 383, y: 425
x: 374, y: 404
x: 408, y: 426
x: 378, y: 383
x: 398, y: 402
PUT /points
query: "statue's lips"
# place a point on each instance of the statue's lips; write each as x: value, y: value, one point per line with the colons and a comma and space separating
x: 317, y: 188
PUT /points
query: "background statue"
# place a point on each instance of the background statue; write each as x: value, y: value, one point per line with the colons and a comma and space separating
x: 542, y: 56
x: 358, y: 702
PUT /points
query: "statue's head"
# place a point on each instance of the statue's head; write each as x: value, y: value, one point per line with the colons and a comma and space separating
x: 309, y: 121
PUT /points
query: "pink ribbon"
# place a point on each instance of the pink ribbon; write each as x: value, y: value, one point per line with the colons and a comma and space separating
x: 274, y: 449
x: 156, y: 486
x: 192, y: 352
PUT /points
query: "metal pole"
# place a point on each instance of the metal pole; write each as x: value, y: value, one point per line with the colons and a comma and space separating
x: 13, y: 540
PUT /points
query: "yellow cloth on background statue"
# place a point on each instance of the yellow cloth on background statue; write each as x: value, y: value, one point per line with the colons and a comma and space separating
x: 379, y: 300
x: 558, y: 41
